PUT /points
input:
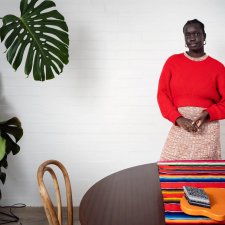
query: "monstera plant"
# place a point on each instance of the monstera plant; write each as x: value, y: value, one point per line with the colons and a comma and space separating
x: 10, y: 128
x: 39, y: 40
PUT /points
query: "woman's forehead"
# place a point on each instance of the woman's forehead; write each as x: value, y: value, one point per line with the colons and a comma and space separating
x: 192, y: 27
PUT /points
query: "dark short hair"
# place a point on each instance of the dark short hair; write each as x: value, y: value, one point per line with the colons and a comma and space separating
x: 195, y: 21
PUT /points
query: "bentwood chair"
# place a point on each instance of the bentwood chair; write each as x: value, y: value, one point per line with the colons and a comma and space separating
x: 55, y: 218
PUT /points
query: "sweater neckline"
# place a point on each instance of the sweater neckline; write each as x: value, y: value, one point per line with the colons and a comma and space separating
x: 198, y: 59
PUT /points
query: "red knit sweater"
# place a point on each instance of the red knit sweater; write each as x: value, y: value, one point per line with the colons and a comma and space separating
x: 184, y: 82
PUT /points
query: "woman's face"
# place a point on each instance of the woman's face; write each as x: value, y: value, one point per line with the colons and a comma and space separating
x: 194, y: 37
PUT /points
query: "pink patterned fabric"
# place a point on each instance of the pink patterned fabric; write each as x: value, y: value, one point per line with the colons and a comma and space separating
x: 201, y: 145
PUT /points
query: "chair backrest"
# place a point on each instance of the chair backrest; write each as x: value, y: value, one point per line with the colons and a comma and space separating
x: 50, y: 210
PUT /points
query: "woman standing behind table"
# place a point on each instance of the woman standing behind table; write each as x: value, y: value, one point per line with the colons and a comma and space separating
x: 191, y: 94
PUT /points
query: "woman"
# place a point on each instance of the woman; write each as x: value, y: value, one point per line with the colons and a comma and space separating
x: 191, y: 94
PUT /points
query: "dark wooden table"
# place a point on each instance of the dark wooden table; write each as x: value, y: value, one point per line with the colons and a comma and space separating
x: 128, y: 197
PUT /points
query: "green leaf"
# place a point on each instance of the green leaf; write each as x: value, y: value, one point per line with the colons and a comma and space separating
x: 57, y: 23
x: 12, y: 50
x: 19, y: 55
x: 10, y: 133
x: 36, y: 72
x: 40, y: 32
x: 11, y: 128
x: 29, y: 7
x: 43, y: 6
x: 3, y: 162
x: 2, y: 177
x: 11, y: 38
x: 56, y: 43
x: 5, y: 29
x: 23, y: 6
x: 29, y: 61
x: 2, y: 147
x: 10, y: 19
x: 54, y: 14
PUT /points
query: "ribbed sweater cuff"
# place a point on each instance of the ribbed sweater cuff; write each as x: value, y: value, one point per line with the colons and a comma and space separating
x: 173, y: 116
x: 211, y: 112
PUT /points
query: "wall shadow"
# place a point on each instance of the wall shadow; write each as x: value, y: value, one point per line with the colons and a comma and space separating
x: 5, y: 109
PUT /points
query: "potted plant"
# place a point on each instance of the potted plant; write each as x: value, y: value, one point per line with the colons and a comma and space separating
x: 8, y: 129
x: 42, y: 33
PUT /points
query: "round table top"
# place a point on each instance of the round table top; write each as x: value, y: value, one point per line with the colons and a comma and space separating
x: 128, y: 197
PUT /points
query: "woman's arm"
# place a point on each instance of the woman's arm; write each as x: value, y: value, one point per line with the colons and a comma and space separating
x: 217, y: 110
x: 165, y: 101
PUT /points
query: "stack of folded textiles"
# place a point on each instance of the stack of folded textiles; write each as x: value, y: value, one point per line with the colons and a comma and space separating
x: 195, y: 173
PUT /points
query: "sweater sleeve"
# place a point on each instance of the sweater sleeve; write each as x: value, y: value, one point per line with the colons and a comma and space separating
x: 165, y: 101
x: 217, y: 110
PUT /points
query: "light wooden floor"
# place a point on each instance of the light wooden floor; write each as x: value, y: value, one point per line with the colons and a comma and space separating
x: 34, y: 216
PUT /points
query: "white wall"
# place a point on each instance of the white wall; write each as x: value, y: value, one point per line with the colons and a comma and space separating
x: 101, y: 114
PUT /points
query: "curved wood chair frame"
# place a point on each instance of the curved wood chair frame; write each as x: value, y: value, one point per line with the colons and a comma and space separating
x: 53, y: 217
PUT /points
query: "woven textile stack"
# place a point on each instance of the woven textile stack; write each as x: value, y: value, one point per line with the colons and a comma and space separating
x: 198, y: 173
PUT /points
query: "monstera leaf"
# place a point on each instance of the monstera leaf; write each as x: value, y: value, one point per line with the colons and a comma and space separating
x: 2, y: 148
x: 43, y: 32
x: 8, y: 129
x: 2, y: 179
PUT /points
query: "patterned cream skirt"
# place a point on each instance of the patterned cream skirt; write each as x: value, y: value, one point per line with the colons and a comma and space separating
x: 201, y: 145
